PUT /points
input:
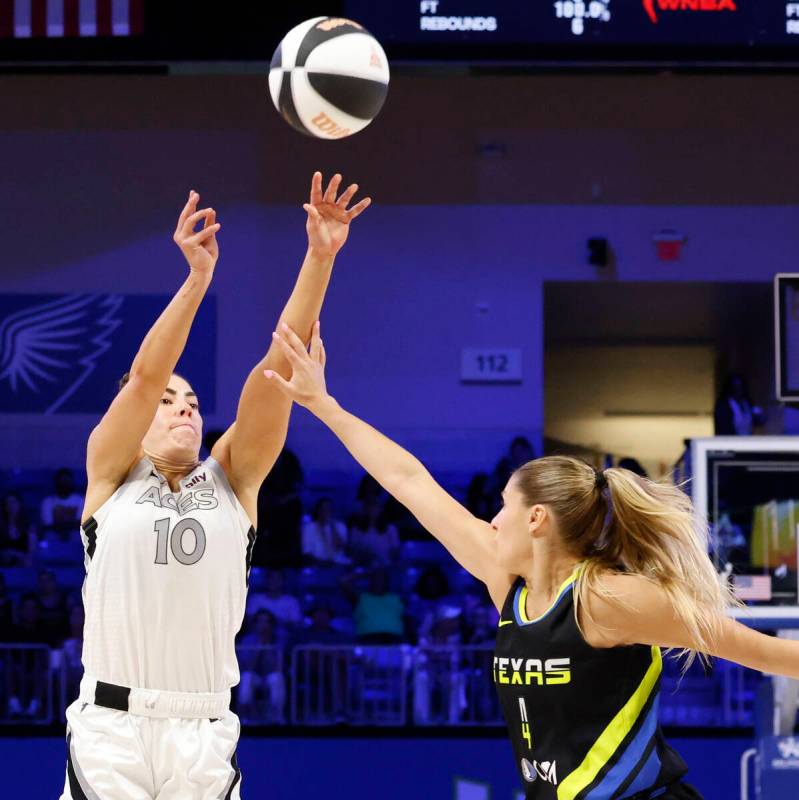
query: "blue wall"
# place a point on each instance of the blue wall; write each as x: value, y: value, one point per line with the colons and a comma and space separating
x: 362, y: 769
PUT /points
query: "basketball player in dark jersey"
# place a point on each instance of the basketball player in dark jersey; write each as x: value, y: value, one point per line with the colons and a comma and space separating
x: 593, y: 573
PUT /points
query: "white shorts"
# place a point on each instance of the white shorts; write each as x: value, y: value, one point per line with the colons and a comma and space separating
x: 113, y: 755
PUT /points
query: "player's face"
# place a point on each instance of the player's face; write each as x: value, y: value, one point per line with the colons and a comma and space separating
x: 177, y: 428
x: 513, y: 530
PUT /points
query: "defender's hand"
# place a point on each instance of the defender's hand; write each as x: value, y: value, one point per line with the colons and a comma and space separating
x: 307, y: 384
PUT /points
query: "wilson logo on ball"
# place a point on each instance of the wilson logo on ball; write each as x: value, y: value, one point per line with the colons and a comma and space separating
x: 336, y: 22
x: 329, y: 77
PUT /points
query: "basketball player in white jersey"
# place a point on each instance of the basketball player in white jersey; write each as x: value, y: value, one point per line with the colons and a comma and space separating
x: 168, y: 542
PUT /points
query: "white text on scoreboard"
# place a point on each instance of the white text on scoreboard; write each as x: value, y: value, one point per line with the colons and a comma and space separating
x: 434, y: 18
x: 792, y: 18
x: 580, y: 11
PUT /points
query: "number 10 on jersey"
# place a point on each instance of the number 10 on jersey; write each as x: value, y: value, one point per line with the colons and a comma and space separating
x: 177, y: 539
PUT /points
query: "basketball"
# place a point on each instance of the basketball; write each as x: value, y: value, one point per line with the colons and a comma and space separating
x: 329, y: 77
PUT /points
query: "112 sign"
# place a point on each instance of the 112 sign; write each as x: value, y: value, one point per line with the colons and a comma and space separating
x: 491, y: 365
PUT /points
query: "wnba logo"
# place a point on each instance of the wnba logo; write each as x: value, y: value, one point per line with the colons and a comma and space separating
x: 653, y: 6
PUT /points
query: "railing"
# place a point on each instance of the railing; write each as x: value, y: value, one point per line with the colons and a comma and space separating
x: 365, y: 685
x: 358, y: 685
x: 452, y: 686
x: 261, y: 695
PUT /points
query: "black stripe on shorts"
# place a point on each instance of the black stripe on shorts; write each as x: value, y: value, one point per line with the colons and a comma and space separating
x: 75, y: 788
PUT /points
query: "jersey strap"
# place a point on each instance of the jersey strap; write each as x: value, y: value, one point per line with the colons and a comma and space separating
x: 624, y: 748
x: 520, y: 599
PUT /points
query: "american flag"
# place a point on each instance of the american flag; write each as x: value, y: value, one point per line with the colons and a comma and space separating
x: 752, y: 587
x: 24, y: 19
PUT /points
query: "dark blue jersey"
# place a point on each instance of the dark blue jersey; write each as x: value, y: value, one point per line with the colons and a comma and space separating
x: 583, y: 720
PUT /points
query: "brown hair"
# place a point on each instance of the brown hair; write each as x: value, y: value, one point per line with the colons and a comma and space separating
x: 618, y: 522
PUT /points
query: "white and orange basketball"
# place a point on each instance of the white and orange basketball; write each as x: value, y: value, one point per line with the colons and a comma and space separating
x: 329, y: 77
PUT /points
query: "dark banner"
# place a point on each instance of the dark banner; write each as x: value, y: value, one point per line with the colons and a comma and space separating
x: 64, y: 354
x: 710, y: 23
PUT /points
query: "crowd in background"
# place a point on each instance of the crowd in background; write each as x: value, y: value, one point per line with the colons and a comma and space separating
x: 322, y: 573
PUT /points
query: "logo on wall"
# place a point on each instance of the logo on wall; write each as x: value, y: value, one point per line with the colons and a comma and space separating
x: 652, y: 7
x: 65, y: 353
x: 789, y: 748
x: 49, y: 349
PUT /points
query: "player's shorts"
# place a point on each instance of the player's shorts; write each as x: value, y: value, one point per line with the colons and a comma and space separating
x: 144, y: 754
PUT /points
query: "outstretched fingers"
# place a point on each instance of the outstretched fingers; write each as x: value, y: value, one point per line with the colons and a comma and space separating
x: 346, y: 196
x: 202, y: 235
x: 359, y: 208
x: 332, y: 188
x: 189, y: 208
x: 288, y: 350
x: 187, y: 229
x: 296, y: 343
x: 316, y: 188
x: 281, y: 382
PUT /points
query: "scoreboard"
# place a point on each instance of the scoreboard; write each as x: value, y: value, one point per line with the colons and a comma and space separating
x: 617, y: 29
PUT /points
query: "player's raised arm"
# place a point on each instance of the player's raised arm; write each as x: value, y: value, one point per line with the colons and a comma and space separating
x: 116, y: 441
x: 641, y: 612
x: 469, y: 539
x: 249, y: 448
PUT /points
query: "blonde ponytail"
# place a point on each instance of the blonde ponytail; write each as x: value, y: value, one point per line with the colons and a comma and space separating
x: 619, y: 522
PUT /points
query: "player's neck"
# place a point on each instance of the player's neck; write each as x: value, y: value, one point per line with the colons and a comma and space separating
x: 546, y: 573
x: 171, y: 468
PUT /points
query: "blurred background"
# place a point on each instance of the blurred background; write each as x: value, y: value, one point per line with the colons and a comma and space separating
x: 579, y: 211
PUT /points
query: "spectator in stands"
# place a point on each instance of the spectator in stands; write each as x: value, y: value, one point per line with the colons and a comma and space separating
x: 283, y: 606
x: 6, y: 611
x: 27, y: 670
x: 368, y: 489
x: 734, y: 414
x: 431, y: 589
x: 481, y: 626
x: 406, y: 524
x: 633, y: 465
x: 262, y: 691
x: 52, y: 609
x: 325, y: 669
x: 478, y: 497
x: 324, y: 538
x: 280, y: 514
x: 321, y: 630
x: 443, y: 626
x: 60, y: 512
x: 17, y: 532
x: 374, y: 541
x: 519, y: 452
x: 438, y: 679
x: 378, y: 612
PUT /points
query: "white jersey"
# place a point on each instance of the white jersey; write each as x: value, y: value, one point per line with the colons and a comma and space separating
x: 166, y: 582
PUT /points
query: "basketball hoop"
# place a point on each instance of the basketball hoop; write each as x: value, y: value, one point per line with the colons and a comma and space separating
x: 668, y: 244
